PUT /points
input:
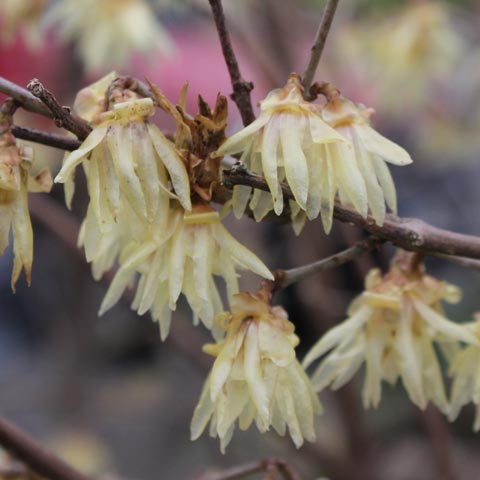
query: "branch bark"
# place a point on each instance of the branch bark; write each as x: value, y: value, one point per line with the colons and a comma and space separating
x: 44, y: 138
x: 241, y: 88
x: 62, y: 116
x: 407, y: 233
x: 26, y: 449
x: 317, y: 47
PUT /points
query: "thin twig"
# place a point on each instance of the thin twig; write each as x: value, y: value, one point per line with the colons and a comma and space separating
x: 284, y: 278
x: 62, y: 116
x: 318, y: 44
x: 24, y: 97
x: 460, y: 261
x: 45, y: 138
x: 241, y: 88
x: 26, y: 449
x: 408, y: 233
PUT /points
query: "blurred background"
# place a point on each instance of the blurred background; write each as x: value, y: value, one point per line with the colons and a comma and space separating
x: 105, y: 393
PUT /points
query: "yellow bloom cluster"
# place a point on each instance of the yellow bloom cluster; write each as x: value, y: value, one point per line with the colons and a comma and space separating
x: 320, y: 151
x: 392, y: 328
x: 256, y: 376
x: 148, y: 207
x: 15, y: 183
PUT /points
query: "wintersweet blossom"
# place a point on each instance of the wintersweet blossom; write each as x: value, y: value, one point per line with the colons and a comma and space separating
x: 15, y: 183
x: 181, y: 253
x: 256, y: 376
x: 126, y: 159
x: 391, y: 328
x: 107, y: 32
x: 465, y: 371
x: 21, y: 16
x: 282, y: 145
x: 371, y: 184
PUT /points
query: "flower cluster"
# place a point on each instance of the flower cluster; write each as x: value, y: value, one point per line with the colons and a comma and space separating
x: 150, y: 202
x: 15, y: 183
x: 320, y: 151
x: 256, y: 376
x: 107, y: 32
x: 392, y: 328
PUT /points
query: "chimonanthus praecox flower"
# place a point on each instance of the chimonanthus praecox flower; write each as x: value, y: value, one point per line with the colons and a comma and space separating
x: 180, y: 253
x: 15, y: 183
x: 107, y: 32
x: 21, y: 16
x: 256, y: 376
x: 281, y: 143
x: 370, y: 185
x: 392, y: 328
x: 465, y: 370
x: 126, y: 158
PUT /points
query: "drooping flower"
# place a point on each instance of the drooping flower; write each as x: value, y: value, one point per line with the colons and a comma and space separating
x: 256, y: 376
x: 465, y: 371
x: 21, y: 16
x: 107, y: 32
x: 126, y: 158
x: 392, y: 328
x: 15, y: 183
x: 282, y: 145
x: 371, y: 181
x: 181, y: 253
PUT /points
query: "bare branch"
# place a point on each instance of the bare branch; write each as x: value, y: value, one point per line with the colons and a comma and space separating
x: 50, y: 139
x: 460, y: 261
x: 318, y: 44
x: 241, y: 88
x: 62, y: 116
x: 24, y: 97
x: 26, y: 449
x: 284, y: 278
x: 408, y: 233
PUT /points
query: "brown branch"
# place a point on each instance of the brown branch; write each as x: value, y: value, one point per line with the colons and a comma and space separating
x: 241, y: 88
x: 247, y: 469
x: 407, y: 233
x: 26, y: 449
x: 284, y: 278
x: 24, y: 97
x: 62, y: 116
x: 45, y: 138
x: 317, y: 47
x: 460, y: 261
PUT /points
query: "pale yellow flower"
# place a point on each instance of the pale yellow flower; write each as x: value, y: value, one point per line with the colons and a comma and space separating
x: 282, y: 145
x: 107, y: 32
x: 15, y: 183
x: 22, y: 16
x: 126, y: 160
x: 465, y: 370
x: 180, y: 253
x: 391, y: 329
x: 256, y: 376
x: 369, y: 184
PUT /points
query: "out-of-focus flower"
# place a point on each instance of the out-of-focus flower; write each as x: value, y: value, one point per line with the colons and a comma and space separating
x: 107, y: 32
x: 181, y: 253
x: 392, y: 328
x: 405, y: 53
x: 21, y: 16
x: 465, y: 370
x: 15, y: 183
x: 282, y: 145
x: 256, y: 376
x: 126, y: 159
x: 370, y: 184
